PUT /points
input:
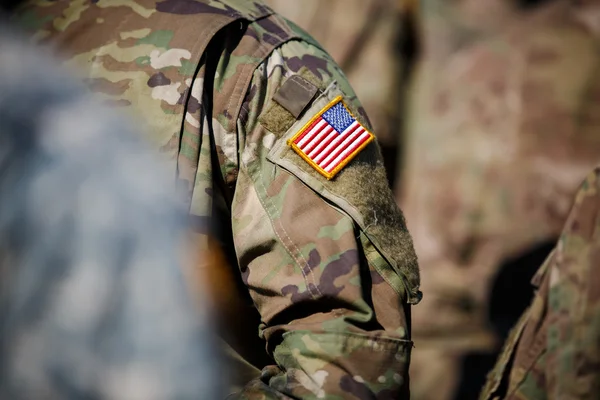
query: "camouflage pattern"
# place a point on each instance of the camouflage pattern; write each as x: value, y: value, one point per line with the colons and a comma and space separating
x: 328, y: 264
x: 447, y: 26
x: 553, y: 353
x: 501, y: 132
x: 363, y: 38
x: 93, y: 303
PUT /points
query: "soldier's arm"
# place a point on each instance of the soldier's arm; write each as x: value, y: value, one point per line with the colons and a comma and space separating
x: 328, y: 262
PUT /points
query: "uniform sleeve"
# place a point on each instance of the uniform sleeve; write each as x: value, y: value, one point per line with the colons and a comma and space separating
x: 328, y: 262
x: 573, y: 334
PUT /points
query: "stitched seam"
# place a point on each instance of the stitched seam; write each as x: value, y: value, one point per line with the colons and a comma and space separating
x: 373, y: 343
x: 381, y: 269
x: 300, y: 264
x: 240, y: 81
x: 303, y: 83
x: 187, y: 94
x: 244, y: 108
x: 304, y: 261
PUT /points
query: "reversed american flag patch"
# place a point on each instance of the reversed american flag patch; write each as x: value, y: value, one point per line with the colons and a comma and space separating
x: 331, y: 139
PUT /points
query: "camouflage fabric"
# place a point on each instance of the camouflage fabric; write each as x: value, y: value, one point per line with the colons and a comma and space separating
x: 500, y: 134
x: 328, y: 264
x: 553, y: 353
x: 447, y: 26
x: 92, y: 299
x: 363, y: 38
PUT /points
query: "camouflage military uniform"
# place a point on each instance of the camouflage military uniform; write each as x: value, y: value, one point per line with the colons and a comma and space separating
x: 363, y: 38
x: 223, y: 88
x: 501, y: 133
x: 554, y: 351
x: 92, y: 300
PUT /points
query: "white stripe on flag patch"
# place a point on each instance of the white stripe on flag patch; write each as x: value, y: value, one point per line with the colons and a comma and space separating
x: 331, y: 139
x: 350, y: 140
x: 312, y: 133
x: 337, y: 141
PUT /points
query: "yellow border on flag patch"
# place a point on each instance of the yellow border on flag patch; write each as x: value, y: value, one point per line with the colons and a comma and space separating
x: 329, y: 175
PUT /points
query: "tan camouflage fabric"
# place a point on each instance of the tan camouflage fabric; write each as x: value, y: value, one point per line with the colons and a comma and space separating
x: 500, y: 135
x: 327, y: 265
x: 363, y: 37
x: 447, y: 26
x: 554, y: 351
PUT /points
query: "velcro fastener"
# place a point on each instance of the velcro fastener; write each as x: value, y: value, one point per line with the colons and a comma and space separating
x: 295, y: 94
x: 290, y: 101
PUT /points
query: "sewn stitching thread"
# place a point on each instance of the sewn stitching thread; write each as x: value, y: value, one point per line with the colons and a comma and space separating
x: 297, y: 250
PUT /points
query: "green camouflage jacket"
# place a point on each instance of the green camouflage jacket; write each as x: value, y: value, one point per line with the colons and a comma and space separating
x: 231, y: 94
x: 554, y: 351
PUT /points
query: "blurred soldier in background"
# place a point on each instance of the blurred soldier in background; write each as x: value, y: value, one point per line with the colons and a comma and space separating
x: 554, y: 351
x: 93, y: 304
x: 447, y: 26
x: 365, y: 37
x: 265, y: 138
x: 503, y: 126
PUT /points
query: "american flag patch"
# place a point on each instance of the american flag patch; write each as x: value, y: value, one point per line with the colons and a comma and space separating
x: 331, y: 139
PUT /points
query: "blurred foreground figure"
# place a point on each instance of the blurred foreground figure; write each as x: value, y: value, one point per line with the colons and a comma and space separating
x: 504, y: 125
x: 93, y: 304
x: 364, y: 37
x: 554, y: 351
x: 265, y: 138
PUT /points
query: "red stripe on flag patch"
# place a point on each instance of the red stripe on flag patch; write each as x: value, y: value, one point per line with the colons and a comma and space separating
x: 331, y: 139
